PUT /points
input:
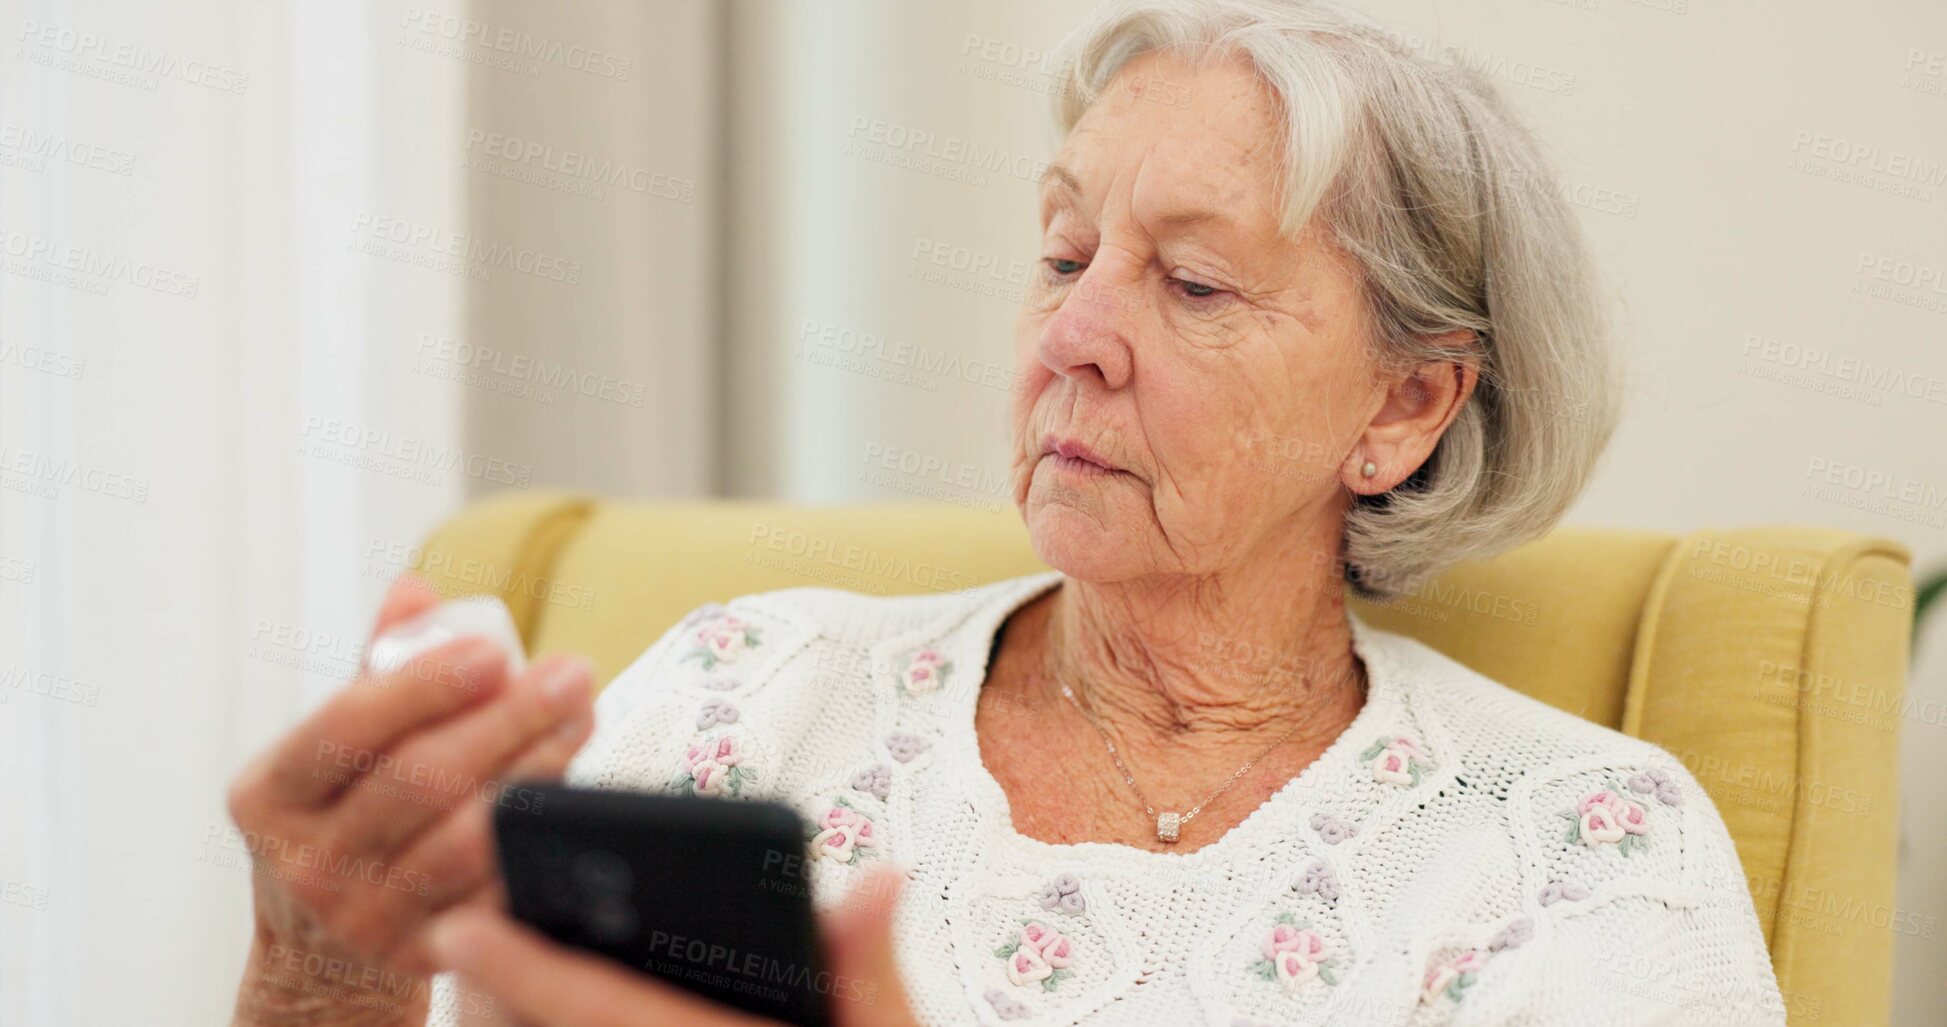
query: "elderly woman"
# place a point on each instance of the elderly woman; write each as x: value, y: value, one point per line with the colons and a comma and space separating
x: 1309, y: 316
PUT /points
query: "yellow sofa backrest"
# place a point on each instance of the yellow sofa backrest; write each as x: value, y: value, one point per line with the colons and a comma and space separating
x: 1772, y: 660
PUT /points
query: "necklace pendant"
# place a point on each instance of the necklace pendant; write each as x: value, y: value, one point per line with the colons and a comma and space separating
x: 1167, y: 825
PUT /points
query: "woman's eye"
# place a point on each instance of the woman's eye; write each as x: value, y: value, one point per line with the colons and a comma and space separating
x: 1065, y: 267
x: 1197, y: 290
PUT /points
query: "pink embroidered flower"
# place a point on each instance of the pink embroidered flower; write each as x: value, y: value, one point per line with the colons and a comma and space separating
x: 1294, y: 955
x: 1410, y: 746
x: 1039, y: 954
x: 1604, y: 797
x: 1632, y: 816
x: 1025, y: 966
x: 1052, y: 944
x: 722, y: 639
x: 926, y: 673
x: 1599, y: 827
x: 710, y: 767
x: 1397, y: 760
x: 1608, y: 817
x: 842, y: 831
x: 1292, y: 938
x: 722, y: 749
x: 1450, y: 977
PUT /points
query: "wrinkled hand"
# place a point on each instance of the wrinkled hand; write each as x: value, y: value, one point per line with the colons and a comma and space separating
x: 547, y: 985
x: 375, y: 813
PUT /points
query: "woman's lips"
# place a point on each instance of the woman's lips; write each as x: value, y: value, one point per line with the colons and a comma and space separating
x: 1075, y: 458
x: 1076, y: 465
x: 1075, y: 453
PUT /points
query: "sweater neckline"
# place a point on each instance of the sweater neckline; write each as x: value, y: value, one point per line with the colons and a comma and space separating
x: 973, y: 640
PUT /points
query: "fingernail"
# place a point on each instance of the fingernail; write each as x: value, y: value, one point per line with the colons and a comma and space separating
x: 574, y: 727
x: 567, y: 682
x: 451, y: 943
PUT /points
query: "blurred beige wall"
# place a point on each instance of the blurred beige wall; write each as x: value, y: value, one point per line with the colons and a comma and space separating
x: 600, y: 368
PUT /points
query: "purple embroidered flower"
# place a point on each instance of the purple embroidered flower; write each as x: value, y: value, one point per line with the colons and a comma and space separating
x: 926, y: 672
x: 1006, y: 1006
x: 1318, y: 879
x: 875, y: 780
x: 1038, y: 955
x: 1332, y: 829
x: 1294, y: 955
x: 1516, y: 934
x: 721, y: 639
x: 714, y: 712
x: 1064, y: 893
x: 1657, y: 781
x: 905, y: 747
x: 1556, y: 891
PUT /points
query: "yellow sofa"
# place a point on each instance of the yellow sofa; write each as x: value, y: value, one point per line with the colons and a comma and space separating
x: 1770, y: 660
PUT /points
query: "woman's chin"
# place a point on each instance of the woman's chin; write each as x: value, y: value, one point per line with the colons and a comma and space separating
x: 1082, y: 545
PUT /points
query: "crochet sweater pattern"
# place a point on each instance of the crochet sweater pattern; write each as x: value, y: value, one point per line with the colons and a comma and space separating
x: 1461, y: 855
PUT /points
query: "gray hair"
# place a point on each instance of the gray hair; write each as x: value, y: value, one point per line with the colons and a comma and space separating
x: 1425, y: 176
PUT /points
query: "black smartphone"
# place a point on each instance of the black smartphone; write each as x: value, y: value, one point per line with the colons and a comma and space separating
x: 712, y: 895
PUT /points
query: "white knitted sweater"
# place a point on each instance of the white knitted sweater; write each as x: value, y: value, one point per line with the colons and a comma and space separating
x: 1462, y: 854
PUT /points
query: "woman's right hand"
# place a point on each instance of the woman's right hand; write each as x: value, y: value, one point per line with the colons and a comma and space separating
x: 375, y: 814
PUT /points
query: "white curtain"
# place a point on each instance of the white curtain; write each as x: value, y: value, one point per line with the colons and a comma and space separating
x: 213, y: 443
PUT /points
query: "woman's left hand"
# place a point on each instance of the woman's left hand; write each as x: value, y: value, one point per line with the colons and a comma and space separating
x: 548, y: 985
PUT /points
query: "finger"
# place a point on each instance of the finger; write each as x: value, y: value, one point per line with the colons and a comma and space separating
x: 859, y: 950
x: 415, y: 954
x: 409, y: 596
x: 456, y: 858
x: 458, y: 853
x: 552, y: 986
x: 433, y: 772
x: 336, y: 744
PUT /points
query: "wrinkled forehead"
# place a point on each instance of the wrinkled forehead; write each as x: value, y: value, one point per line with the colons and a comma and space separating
x: 1173, y: 135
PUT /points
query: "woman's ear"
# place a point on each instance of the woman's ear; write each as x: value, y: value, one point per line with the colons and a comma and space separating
x: 1415, y: 410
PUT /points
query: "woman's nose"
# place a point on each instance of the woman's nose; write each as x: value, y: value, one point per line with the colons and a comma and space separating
x: 1088, y: 337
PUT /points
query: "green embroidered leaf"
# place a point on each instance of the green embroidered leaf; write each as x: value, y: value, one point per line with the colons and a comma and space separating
x: 1265, y: 969
x: 1373, y: 750
x: 1007, y: 951
x: 1325, y: 974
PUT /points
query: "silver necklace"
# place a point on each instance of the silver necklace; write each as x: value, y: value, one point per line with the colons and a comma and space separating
x: 1169, y: 823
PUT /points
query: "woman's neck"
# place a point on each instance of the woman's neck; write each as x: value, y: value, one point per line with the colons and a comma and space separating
x: 1225, y: 658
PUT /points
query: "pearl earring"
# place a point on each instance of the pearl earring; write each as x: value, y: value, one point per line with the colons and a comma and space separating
x: 1369, y: 469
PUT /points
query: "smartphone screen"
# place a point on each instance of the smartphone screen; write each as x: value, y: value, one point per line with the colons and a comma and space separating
x: 708, y: 894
